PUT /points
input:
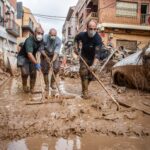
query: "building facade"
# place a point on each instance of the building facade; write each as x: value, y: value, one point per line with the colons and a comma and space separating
x: 27, y: 22
x: 120, y: 22
x: 69, y: 30
x: 9, y: 29
x: 125, y: 22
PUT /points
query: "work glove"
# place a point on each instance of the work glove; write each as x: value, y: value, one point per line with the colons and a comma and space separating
x: 37, y: 67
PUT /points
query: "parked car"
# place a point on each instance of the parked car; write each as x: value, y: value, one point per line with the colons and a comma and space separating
x: 134, y: 70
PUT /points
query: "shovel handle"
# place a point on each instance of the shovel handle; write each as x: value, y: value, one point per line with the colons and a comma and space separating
x: 100, y: 82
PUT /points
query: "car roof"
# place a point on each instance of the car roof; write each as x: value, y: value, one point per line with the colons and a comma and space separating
x: 133, y: 59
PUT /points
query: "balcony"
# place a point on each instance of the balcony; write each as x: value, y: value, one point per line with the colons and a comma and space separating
x: 13, y: 28
x: 92, y: 15
x: 28, y: 26
x: 145, y: 19
x: 83, y: 23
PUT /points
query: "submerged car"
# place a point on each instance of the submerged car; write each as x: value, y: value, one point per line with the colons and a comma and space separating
x: 133, y: 71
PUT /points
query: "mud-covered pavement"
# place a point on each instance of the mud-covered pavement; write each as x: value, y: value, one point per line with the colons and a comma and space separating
x: 74, y: 123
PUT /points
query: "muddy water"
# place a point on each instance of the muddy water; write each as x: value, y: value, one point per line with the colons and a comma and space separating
x: 126, y: 129
x: 87, y: 142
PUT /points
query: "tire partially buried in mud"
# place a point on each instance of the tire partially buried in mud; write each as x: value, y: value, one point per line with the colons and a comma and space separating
x: 122, y: 80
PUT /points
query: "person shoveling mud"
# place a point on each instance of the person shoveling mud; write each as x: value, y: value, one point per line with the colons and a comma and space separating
x: 50, y: 58
x: 91, y: 44
x: 27, y: 59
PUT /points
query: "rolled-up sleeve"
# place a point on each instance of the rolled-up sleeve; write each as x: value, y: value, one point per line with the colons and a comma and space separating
x: 58, y: 46
x: 29, y: 45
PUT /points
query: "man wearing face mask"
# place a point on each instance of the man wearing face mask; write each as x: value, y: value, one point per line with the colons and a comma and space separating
x: 51, y: 54
x: 89, y: 43
x: 27, y: 58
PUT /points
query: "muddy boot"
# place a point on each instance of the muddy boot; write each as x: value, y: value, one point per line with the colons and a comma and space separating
x: 24, y: 84
x: 46, y: 80
x: 85, y: 84
x: 32, y: 85
x: 53, y: 84
x: 26, y: 89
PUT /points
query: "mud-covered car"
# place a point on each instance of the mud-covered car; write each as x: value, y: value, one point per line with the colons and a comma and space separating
x: 133, y: 71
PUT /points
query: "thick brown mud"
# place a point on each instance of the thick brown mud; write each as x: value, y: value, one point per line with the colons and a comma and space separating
x: 107, y: 128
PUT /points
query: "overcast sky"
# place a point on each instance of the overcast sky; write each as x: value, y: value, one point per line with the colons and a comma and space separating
x: 51, y: 8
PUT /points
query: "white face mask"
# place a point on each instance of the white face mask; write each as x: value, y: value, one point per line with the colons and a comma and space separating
x: 91, y: 33
x: 52, y: 37
x: 39, y: 37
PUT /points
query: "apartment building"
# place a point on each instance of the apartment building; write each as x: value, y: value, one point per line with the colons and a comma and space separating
x: 120, y: 22
x: 69, y: 30
x: 26, y: 20
x: 71, y: 26
x: 126, y: 22
x: 9, y: 29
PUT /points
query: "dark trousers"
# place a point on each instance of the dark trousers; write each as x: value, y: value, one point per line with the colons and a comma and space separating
x: 46, y: 68
x: 28, y: 70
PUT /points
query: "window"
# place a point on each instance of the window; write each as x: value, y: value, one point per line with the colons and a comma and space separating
x: 144, y: 13
x: 81, y: 20
x: 69, y: 30
x: 126, y: 9
x: 1, y: 8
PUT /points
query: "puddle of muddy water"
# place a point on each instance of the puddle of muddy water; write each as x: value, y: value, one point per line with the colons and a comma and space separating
x: 63, y: 90
x: 87, y: 142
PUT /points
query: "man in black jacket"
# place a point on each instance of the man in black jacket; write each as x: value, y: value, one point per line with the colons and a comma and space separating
x: 89, y: 43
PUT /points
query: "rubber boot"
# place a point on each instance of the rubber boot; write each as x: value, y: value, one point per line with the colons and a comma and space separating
x: 85, y: 84
x: 46, y: 80
x: 32, y: 85
x: 24, y: 84
x: 53, y: 85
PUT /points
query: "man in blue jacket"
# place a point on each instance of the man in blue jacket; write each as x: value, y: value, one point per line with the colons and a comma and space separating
x: 51, y: 53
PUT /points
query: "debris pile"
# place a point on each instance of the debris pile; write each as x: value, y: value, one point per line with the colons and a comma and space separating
x: 3, y: 75
x: 70, y: 71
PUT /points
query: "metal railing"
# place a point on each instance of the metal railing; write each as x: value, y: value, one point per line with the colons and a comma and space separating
x: 92, y: 15
x: 28, y: 26
x: 145, y: 19
x: 12, y: 27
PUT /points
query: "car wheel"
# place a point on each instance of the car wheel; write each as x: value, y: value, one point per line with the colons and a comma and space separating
x: 121, y: 80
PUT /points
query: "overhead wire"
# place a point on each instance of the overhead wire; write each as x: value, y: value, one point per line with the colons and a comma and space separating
x: 59, y: 18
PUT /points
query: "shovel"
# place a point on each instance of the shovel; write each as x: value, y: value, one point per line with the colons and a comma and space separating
x: 100, y: 82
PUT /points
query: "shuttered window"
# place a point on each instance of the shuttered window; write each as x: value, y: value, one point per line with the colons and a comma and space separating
x: 126, y: 9
x: 1, y: 8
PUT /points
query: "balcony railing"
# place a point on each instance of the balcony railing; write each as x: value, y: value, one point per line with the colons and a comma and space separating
x: 145, y: 19
x: 129, y: 20
x: 92, y: 15
x: 28, y: 27
x: 13, y: 28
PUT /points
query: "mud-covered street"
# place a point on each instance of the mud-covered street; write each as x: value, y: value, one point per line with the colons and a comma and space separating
x: 75, y: 75
x: 74, y: 123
